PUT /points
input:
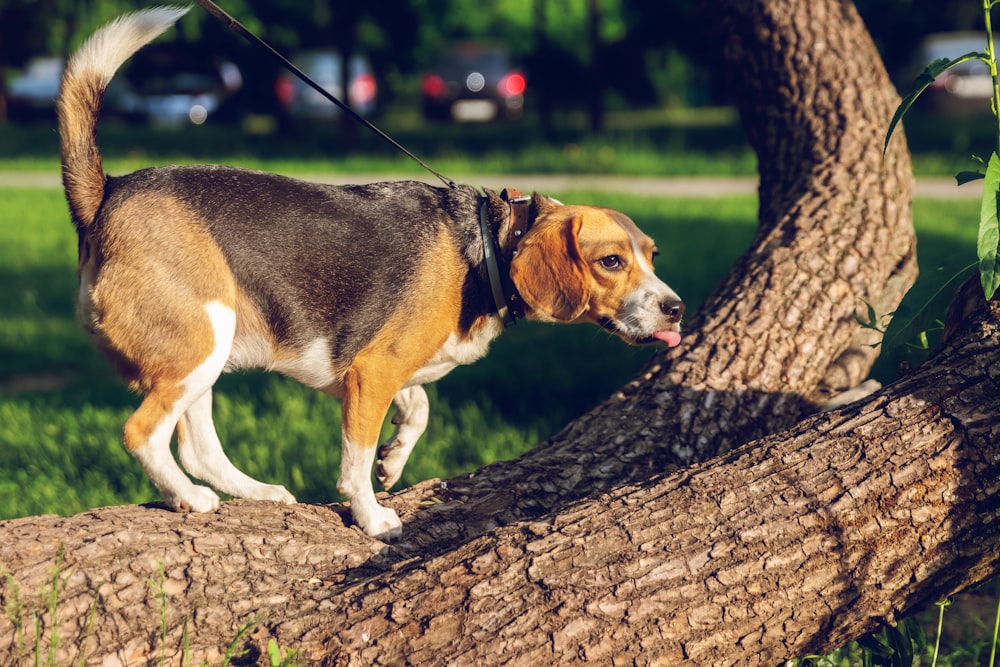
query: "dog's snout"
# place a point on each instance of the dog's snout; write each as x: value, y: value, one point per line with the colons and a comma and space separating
x: 673, y: 309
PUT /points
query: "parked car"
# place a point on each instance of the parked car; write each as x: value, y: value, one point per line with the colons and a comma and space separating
x: 32, y: 96
x: 173, y: 84
x: 325, y: 68
x: 962, y: 90
x: 473, y: 83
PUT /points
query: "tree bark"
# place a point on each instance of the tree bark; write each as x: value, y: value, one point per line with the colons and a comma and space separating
x: 611, y: 542
x: 792, y: 544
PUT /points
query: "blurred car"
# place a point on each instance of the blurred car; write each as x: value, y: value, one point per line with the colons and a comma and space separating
x: 325, y: 67
x: 173, y: 84
x: 32, y: 96
x: 473, y: 83
x: 962, y: 90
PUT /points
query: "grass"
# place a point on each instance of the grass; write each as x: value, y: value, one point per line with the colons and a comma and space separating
x: 62, y: 451
x: 660, y: 142
x: 632, y: 145
x: 62, y: 407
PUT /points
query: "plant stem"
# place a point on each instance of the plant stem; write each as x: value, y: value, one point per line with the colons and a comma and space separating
x: 996, y: 631
x: 937, y: 640
x: 992, y: 62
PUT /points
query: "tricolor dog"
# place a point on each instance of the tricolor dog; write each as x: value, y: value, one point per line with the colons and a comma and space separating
x: 365, y: 292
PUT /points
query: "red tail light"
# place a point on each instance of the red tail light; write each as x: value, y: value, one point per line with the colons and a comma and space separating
x: 433, y: 85
x: 284, y: 91
x: 512, y: 84
x: 363, y: 89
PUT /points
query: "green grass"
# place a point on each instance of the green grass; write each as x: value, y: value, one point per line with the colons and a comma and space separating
x: 62, y: 451
x: 61, y: 444
x: 634, y: 143
x: 648, y: 142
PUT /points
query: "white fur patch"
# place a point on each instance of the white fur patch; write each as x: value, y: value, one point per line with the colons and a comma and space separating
x: 312, y: 365
x: 458, y: 352
x: 641, y: 312
x: 108, y: 48
x: 356, y: 483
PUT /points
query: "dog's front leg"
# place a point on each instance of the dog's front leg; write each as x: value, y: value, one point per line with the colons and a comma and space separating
x: 366, y: 402
x: 412, y: 410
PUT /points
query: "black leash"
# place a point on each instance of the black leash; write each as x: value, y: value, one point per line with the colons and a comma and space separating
x: 237, y: 27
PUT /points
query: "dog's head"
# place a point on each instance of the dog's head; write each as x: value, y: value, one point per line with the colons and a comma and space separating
x: 584, y: 263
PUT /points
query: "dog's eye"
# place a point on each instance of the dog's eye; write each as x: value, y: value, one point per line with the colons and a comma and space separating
x: 611, y: 262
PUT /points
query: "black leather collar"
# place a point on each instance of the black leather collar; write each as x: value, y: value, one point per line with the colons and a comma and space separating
x: 499, y: 248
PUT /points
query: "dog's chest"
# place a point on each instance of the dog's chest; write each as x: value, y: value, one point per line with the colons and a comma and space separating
x: 458, y: 351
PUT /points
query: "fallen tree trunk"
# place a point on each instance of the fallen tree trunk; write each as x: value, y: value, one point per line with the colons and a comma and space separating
x: 792, y: 544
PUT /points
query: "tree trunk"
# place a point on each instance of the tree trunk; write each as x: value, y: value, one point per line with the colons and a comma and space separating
x: 610, y: 542
x: 792, y: 544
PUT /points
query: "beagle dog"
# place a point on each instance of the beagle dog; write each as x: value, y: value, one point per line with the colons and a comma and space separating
x: 365, y: 292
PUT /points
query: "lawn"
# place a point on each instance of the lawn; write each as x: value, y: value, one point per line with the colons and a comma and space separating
x: 62, y: 407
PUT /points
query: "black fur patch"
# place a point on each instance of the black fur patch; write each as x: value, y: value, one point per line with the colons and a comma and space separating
x: 322, y: 260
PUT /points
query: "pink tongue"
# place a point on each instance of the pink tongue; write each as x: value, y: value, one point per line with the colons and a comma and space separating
x: 671, y: 338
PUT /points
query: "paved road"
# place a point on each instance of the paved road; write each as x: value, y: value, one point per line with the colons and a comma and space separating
x: 707, y: 186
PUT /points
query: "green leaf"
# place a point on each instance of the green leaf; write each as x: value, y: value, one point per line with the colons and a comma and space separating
x: 902, y: 649
x: 920, y: 84
x: 964, y: 177
x: 989, y: 230
x: 911, y: 628
x: 870, y: 323
x: 924, y: 342
x: 273, y: 653
x: 876, y: 644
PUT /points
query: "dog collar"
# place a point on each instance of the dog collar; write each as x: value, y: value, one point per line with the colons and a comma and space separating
x: 501, y: 248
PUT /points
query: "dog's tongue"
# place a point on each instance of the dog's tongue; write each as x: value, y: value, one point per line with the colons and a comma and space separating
x: 671, y: 338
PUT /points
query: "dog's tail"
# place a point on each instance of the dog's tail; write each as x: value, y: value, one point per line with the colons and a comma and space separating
x: 81, y: 92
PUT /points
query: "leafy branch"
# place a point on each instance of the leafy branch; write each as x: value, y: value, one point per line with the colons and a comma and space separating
x: 989, y: 222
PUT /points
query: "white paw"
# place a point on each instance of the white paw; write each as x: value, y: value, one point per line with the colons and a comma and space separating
x: 195, y: 499
x: 274, y: 492
x: 382, y: 523
x: 392, y: 459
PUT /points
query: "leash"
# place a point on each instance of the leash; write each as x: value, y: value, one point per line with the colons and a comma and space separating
x: 506, y: 300
x: 220, y: 14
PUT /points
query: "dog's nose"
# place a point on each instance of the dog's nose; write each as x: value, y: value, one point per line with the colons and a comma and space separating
x: 673, y: 309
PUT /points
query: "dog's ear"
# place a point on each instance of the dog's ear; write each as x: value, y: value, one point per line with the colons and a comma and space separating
x: 543, y: 205
x: 548, y: 270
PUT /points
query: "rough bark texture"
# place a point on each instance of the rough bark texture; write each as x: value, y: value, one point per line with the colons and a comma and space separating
x: 605, y: 542
x: 791, y: 544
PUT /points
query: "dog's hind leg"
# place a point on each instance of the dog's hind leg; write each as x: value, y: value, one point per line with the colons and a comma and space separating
x: 147, y: 432
x: 412, y: 411
x: 202, y: 456
x: 147, y: 436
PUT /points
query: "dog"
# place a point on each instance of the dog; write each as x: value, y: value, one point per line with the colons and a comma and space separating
x: 364, y: 292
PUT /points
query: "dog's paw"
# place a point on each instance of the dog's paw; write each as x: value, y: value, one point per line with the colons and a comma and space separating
x: 273, y: 492
x: 382, y: 523
x: 195, y: 499
x: 392, y: 458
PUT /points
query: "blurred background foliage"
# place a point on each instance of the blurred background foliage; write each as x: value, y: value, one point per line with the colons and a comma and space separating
x: 590, y: 55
